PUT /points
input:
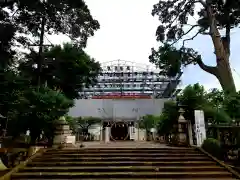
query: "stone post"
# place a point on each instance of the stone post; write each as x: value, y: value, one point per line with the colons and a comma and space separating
x: 182, y: 126
x: 61, y: 133
x: 190, y: 134
x: 107, y: 134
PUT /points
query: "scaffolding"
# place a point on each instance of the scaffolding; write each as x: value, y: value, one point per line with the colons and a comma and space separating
x: 125, y: 79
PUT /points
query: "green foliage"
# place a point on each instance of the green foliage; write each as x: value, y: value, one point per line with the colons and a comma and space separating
x: 175, y: 27
x: 214, y: 115
x: 213, y: 147
x: 38, y: 111
x: 72, y: 123
x: 86, y: 122
x: 174, y: 15
x: 232, y: 105
x: 12, y: 87
x: 168, y: 118
x: 171, y: 60
x: 194, y: 97
x: 148, y: 122
x: 216, y: 98
x: 67, y: 68
x: 71, y: 18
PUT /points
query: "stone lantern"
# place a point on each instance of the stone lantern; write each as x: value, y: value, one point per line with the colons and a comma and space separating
x: 182, y: 129
x: 62, y: 132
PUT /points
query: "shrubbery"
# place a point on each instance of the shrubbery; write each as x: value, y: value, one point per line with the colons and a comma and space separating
x: 213, y: 147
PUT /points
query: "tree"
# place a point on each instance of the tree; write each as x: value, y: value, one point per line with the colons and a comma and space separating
x: 214, y: 16
x: 67, y: 69
x: 168, y: 118
x: 39, y: 109
x: 72, y: 123
x: 148, y: 122
x: 232, y: 105
x: 194, y: 97
x: 216, y: 98
x: 32, y: 19
x: 86, y: 122
x: 71, y: 18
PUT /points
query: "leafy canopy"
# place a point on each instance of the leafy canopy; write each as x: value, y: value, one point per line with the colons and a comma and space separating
x: 148, y: 122
x: 194, y: 97
x: 70, y: 17
x: 84, y: 123
x: 39, y: 109
x: 66, y: 68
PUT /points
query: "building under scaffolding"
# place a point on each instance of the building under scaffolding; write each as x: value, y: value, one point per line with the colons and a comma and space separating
x: 126, y: 79
x: 125, y: 92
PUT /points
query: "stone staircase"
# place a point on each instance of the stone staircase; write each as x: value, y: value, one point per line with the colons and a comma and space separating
x: 122, y: 163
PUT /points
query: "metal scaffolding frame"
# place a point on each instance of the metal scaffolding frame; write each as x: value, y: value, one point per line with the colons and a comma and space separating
x: 126, y: 78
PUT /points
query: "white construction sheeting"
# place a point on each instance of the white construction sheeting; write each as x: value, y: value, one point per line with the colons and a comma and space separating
x: 119, y: 108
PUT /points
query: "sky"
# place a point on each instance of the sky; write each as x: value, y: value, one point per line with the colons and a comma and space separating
x: 127, y: 32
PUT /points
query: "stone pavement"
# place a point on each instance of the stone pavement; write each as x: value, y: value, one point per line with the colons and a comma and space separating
x: 123, y: 144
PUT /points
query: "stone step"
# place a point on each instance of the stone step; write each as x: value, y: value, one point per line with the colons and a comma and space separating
x: 121, y: 155
x: 122, y: 169
x: 67, y: 175
x: 127, y: 148
x: 62, y: 159
x: 211, y: 178
x: 122, y: 163
x: 72, y: 151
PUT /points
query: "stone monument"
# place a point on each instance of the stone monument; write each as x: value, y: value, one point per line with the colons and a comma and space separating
x: 62, y: 134
x: 182, y: 129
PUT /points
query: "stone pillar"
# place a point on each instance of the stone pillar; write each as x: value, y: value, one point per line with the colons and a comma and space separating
x: 182, y: 124
x: 190, y: 134
x: 101, y: 131
x: 61, y: 133
x: 107, y: 134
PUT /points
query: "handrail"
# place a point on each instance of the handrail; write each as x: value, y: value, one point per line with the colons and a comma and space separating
x: 221, y: 163
x: 8, y: 175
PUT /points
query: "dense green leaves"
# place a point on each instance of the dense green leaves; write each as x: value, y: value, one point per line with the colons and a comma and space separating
x: 39, y: 109
x: 171, y: 61
x: 232, y: 105
x: 66, y: 68
x: 174, y: 16
x: 148, y: 122
x: 82, y: 123
x: 217, y: 106
x: 68, y: 17
x: 168, y: 118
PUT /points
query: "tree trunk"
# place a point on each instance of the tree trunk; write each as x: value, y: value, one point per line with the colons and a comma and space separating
x: 222, y: 50
x: 224, y: 75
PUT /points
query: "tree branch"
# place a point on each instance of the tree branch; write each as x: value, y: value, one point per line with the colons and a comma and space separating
x: 194, y: 37
x: 210, y: 69
x: 190, y: 38
x: 193, y: 26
